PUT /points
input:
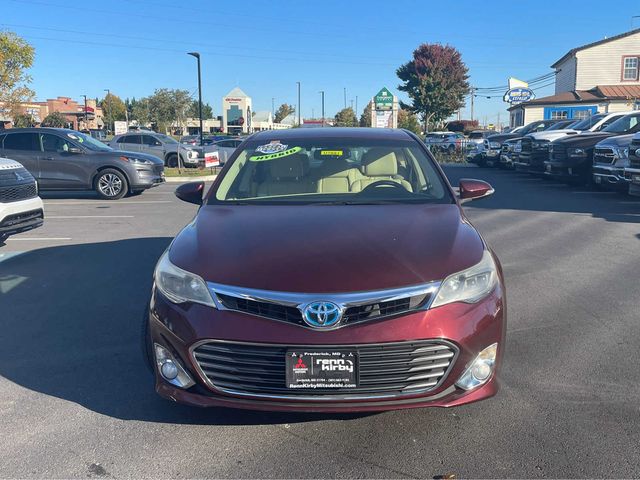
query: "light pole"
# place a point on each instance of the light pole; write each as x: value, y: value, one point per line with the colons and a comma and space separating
x: 197, y: 55
x: 86, y: 125
x: 322, y: 93
x: 298, y: 103
x: 273, y: 106
x: 108, y: 107
x: 356, y: 110
x: 345, y: 97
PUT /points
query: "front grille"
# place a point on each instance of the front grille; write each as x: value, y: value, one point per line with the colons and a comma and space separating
x: 21, y: 218
x: 525, y: 144
x: 506, y: 148
x: 634, y: 159
x: 386, y: 368
x: 16, y: 193
x: 557, y: 152
x: 603, y: 155
x: 353, y: 314
x: 15, y: 176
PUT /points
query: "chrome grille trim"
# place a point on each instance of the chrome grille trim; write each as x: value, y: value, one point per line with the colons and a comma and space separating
x: 284, y: 306
x: 373, y: 359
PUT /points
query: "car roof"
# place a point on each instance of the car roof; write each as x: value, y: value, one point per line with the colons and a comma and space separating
x: 332, y: 132
x: 39, y: 129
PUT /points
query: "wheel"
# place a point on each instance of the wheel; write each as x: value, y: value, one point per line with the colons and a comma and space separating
x: 145, y: 341
x: 111, y: 184
x: 172, y: 160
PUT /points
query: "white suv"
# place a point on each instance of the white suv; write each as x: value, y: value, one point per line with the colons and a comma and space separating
x: 20, y: 206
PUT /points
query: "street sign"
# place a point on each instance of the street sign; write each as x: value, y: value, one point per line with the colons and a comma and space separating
x: 383, y: 100
x: 119, y: 127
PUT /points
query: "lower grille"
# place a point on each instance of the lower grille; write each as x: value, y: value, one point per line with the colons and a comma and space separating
x: 20, y: 219
x: 387, y: 368
x: 16, y: 193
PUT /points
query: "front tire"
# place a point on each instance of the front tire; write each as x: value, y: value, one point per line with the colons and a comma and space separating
x: 111, y: 184
x: 172, y: 160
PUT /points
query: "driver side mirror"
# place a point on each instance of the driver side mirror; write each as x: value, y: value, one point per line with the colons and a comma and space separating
x: 471, y: 189
x: 191, y: 192
x: 75, y: 150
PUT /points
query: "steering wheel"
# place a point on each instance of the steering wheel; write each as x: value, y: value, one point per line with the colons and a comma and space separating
x: 384, y: 183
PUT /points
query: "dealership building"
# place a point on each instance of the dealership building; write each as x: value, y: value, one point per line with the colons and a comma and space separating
x: 602, y: 76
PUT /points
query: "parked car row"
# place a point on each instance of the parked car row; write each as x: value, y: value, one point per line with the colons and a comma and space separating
x: 603, y: 150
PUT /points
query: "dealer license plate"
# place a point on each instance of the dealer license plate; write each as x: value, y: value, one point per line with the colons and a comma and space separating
x: 321, y: 369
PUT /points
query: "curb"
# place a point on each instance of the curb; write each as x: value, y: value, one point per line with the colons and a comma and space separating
x: 205, y: 178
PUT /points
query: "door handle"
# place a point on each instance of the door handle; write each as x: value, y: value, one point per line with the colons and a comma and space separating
x: 49, y: 158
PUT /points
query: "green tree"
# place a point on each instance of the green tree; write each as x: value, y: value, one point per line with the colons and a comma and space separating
x: 365, y: 118
x: 436, y: 80
x: 55, y: 120
x: 140, y: 111
x: 282, y: 112
x: 409, y: 121
x: 346, y: 118
x: 207, y: 111
x: 113, y: 109
x: 16, y: 56
x: 23, y: 120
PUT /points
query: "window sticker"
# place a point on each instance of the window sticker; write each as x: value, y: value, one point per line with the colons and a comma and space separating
x: 332, y: 153
x: 273, y: 156
x: 272, y: 147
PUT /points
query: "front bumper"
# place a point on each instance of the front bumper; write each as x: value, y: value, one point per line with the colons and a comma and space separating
x: 633, y: 177
x: 147, y: 178
x: 609, y: 176
x: 18, y: 217
x: 470, y: 327
x: 566, y: 170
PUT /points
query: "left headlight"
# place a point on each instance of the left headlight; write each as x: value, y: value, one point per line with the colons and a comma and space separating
x: 470, y: 285
x: 136, y: 160
x: 494, y: 144
x: 577, y: 152
x: 181, y: 286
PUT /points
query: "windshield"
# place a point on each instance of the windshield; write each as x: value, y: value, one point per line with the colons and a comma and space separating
x: 332, y: 171
x: 587, y: 123
x: 626, y: 124
x: 89, y: 142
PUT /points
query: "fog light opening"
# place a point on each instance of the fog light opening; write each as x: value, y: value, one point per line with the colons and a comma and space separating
x: 480, y: 370
x: 170, y: 369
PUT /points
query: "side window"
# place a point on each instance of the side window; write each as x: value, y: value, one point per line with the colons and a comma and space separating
x: 22, y: 141
x: 225, y: 143
x: 122, y: 139
x: 606, y: 123
x: 130, y: 139
x: 54, y: 143
x: 150, y: 141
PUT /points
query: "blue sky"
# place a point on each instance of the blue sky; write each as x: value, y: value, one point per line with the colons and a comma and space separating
x: 265, y: 46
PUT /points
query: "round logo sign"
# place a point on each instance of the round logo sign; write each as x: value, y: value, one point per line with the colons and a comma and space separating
x: 519, y: 95
x: 321, y: 314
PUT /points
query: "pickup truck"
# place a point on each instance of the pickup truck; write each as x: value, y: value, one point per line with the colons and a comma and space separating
x: 610, y: 158
x: 632, y: 172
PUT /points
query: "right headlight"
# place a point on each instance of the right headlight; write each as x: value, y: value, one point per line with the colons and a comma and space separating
x: 181, y: 286
x: 494, y: 144
x: 621, y: 152
x: 470, y: 285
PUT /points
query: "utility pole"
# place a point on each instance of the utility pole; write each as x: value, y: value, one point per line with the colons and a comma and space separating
x: 498, y: 122
x: 356, y: 110
x: 109, y: 107
x: 86, y: 124
x: 473, y: 94
x: 298, y: 103
x: 273, y: 106
x: 345, y: 97
x: 322, y: 93
x: 197, y: 56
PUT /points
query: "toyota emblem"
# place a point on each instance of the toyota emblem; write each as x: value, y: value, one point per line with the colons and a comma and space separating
x: 321, y: 314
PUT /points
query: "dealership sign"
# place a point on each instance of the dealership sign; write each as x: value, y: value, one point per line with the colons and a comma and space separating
x: 518, y: 95
x: 383, y: 100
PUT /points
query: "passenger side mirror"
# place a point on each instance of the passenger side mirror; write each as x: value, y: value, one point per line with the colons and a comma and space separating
x: 471, y: 189
x: 191, y: 192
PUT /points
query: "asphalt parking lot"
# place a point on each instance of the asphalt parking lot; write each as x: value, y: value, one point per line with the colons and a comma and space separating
x: 77, y: 401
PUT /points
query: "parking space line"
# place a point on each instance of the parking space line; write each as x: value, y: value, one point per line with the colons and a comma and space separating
x: 43, y: 239
x: 108, y: 202
x: 49, y: 217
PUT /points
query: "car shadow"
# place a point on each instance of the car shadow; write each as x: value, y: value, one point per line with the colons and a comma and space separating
x: 70, y: 318
x: 521, y: 191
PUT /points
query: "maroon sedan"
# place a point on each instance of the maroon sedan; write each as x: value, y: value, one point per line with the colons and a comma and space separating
x: 328, y: 270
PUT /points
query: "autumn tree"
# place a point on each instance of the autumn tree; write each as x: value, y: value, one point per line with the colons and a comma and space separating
x: 283, y: 112
x: 365, y: 118
x: 55, y: 120
x: 346, y: 118
x: 16, y: 57
x: 436, y: 81
x: 409, y: 121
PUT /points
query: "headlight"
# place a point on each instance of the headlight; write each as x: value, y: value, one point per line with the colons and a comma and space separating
x: 180, y: 286
x: 136, y: 160
x: 540, y: 145
x: 517, y: 148
x: 192, y: 154
x: 470, y: 285
x: 494, y: 144
x: 577, y: 152
x: 621, y: 152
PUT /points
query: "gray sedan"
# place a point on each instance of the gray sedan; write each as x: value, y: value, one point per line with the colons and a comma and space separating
x: 162, y: 146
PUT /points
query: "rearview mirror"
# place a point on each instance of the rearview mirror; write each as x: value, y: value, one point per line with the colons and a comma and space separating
x: 191, y: 192
x: 471, y: 189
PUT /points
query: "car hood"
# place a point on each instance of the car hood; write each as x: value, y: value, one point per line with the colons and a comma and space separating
x: 619, y: 141
x: 582, y: 140
x: 327, y: 249
x: 503, y: 136
x: 553, y: 135
x: 143, y: 156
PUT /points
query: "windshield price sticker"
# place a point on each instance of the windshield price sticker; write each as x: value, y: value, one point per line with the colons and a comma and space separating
x: 273, y: 147
x: 331, y: 153
x: 273, y: 156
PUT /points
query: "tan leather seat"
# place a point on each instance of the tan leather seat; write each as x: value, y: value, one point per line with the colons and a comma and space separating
x: 379, y: 163
x: 337, y: 177
x: 287, y: 176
